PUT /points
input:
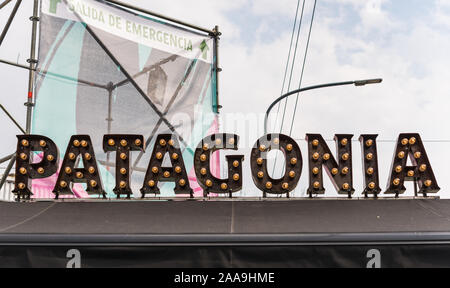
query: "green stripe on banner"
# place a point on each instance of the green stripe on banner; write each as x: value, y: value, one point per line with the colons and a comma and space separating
x: 57, y: 93
x: 144, y: 54
x: 58, y: 38
x: 214, y: 102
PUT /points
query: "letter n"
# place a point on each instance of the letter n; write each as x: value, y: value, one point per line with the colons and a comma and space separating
x: 319, y: 156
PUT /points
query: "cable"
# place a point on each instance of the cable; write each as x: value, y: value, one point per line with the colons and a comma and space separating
x: 303, y: 67
x: 289, y: 58
x: 290, y: 78
x: 293, y: 64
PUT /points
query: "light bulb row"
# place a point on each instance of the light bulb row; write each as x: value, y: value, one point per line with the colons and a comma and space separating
x: 122, y: 142
x: 370, y: 158
x: 78, y: 143
x: 410, y: 141
x: 160, y: 156
x: 64, y: 184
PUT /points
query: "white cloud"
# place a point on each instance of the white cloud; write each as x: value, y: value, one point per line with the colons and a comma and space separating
x: 441, y: 13
x: 270, y: 7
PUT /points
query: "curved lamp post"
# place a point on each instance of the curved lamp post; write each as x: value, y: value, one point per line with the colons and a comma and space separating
x: 356, y: 83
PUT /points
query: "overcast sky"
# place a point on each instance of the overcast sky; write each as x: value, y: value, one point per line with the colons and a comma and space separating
x: 403, y: 41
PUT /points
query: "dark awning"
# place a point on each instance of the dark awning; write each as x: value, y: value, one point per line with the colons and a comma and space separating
x: 256, y: 233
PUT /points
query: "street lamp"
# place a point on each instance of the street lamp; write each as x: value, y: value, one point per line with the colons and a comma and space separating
x: 356, y: 83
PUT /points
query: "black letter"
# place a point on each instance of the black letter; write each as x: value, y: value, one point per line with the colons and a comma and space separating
x: 294, y: 164
x: 319, y: 154
x: 205, y: 179
x: 122, y: 145
x: 370, y: 164
x: 26, y: 170
x: 156, y: 172
x: 79, y: 145
x: 411, y: 145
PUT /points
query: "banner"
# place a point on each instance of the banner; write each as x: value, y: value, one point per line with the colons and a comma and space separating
x: 107, y: 70
x: 135, y: 28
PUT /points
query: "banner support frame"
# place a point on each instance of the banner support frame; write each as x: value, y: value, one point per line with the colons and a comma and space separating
x: 10, y: 19
x: 33, y: 62
x: 214, y: 33
x: 217, y: 69
x: 6, y: 2
x: 127, y: 75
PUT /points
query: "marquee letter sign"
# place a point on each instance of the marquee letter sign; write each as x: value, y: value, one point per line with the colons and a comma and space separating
x: 411, y: 145
x: 167, y: 150
x: 26, y: 170
x: 370, y: 164
x: 122, y: 145
x: 341, y: 174
x: 79, y: 149
x: 203, y: 152
x: 166, y: 144
x: 293, y: 164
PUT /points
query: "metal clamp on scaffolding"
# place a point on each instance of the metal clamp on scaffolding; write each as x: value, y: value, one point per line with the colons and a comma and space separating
x: 34, y: 61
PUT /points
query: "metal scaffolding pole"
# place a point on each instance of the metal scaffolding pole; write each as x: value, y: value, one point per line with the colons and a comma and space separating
x: 166, y: 110
x: 7, y: 170
x: 64, y: 77
x: 132, y: 81
x: 14, y: 64
x: 33, y: 63
x: 217, y: 69
x: 4, y: 3
x: 214, y: 32
x: 109, y: 119
x: 4, y: 159
x: 146, y: 70
x: 10, y: 19
x: 12, y: 119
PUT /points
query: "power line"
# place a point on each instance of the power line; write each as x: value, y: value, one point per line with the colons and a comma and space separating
x: 293, y: 64
x: 303, y: 67
x: 289, y: 58
x: 290, y: 78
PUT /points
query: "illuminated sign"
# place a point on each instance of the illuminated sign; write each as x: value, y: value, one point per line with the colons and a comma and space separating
x: 338, y: 167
